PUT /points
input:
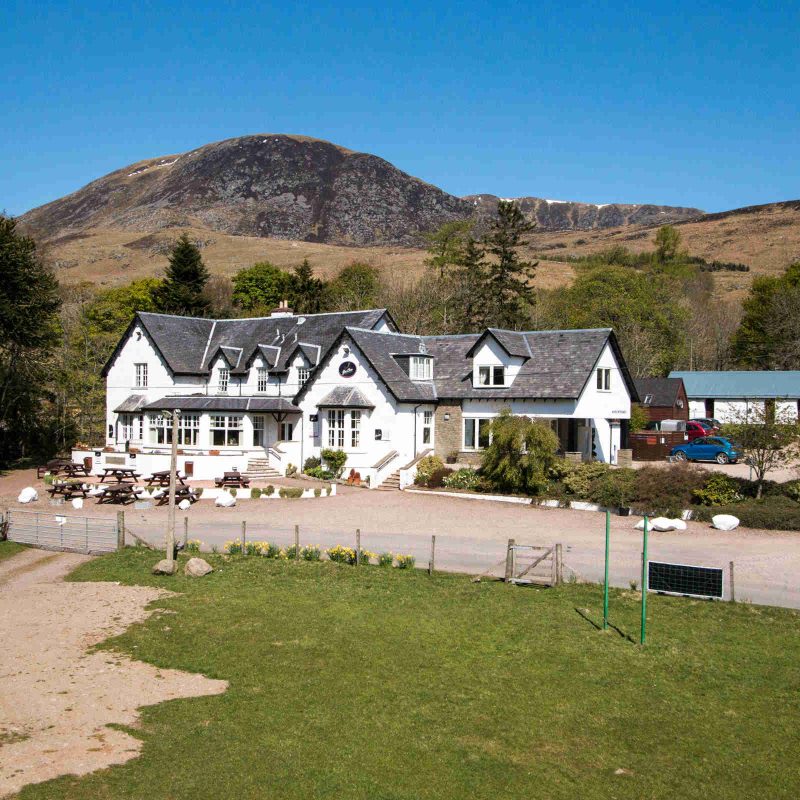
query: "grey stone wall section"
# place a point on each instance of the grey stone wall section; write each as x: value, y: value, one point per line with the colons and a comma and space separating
x: 447, y: 439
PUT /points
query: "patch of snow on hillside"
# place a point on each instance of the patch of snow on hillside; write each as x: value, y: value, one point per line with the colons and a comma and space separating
x: 162, y: 163
x: 563, y: 202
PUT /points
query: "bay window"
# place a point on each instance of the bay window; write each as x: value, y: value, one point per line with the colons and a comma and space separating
x: 188, y: 429
x: 476, y: 433
x: 226, y: 430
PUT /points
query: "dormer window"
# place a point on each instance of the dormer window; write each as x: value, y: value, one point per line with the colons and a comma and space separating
x: 224, y: 377
x: 262, y: 379
x: 303, y: 374
x: 491, y: 376
x: 421, y: 368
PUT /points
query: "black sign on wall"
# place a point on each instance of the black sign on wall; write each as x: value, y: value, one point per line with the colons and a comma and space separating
x: 684, y: 579
x: 347, y: 369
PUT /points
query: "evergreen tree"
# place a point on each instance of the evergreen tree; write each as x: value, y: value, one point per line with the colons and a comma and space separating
x: 186, y: 277
x: 668, y: 242
x: 308, y: 291
x: 509, y: 291
x: 471, y: 288
x: 29, y: 303
x: 446, y: 244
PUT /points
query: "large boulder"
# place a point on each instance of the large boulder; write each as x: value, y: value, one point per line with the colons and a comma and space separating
x: 225, y: 500
x: 197, y: 567
x: 165, y: 567
x: 724, y: 522
x: 662, y: 524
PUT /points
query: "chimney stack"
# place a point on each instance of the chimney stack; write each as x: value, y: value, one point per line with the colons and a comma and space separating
x: 282, y: 310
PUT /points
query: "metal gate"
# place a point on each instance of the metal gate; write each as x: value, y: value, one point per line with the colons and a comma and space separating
x: 63, y: 532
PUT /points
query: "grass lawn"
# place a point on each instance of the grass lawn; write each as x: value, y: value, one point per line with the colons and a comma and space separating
x: 8, y: 549
x: 386, y: 684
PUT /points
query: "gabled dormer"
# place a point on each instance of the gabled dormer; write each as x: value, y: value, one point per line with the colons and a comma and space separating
x: 497, y: 357
x: 417, y: 365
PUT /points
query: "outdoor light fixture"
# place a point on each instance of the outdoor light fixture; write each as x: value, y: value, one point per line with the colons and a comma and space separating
x: 446, y: 416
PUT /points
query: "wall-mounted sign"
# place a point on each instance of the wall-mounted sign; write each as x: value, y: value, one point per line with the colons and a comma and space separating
x: 378, y: 434
x: 313, y: 417
x: 347, y: 369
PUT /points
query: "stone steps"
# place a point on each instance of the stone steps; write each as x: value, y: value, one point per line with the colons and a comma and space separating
x: 391, y: 484
x: 258, y: 468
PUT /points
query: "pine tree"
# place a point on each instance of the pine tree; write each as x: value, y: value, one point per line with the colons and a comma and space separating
x: 509, y: 277
x: 29, y: 303
x: 186, y: 277
x: 470, y: 277
x: 308, y: 291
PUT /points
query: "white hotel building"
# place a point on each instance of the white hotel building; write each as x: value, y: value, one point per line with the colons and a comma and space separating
x: 284, y: 387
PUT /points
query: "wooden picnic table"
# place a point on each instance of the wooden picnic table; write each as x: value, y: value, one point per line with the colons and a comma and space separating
x: 74, y: 469
x: 69, y: 489
x: 161, y: 478
x: 234, y: 478
x: 121, y: 493
x: 54, y: 466
x: 120, y: 473
x: 181, y: 493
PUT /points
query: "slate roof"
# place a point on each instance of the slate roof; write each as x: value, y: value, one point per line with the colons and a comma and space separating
x: 189, y: 344
x: 559, y: 364
x: 664, y: 391
x: 223, y: 403
x: 741, y: 385
x: 345, y: 397
x: 131, y: 403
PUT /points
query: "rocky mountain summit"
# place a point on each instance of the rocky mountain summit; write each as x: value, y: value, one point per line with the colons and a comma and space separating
x: 294, y: 187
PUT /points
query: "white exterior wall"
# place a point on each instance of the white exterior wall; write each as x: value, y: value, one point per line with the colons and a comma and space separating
x: 735, y: 410
x: 395, y: 420
x: 491, y: 354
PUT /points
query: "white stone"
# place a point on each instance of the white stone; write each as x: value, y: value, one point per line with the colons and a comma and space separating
x: 77, y: 502
x: 724, y: 522
x: 225, y: 500
x: 661, y: 524
x: 28, y: 495
x: 184, y: 505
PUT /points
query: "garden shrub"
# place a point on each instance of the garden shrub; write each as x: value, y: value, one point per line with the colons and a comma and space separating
x: 255, y: 493
x: 385, y: 559
x: 269, y: 490
x: 271, y: 550
x: 582, y: 477
x: 405, y: 561
x: 615, y: 488
x: 48, y: 478
x: 465, y: 478
x: 769, y: 513
x: 366, y: 556
x: 253, y: 548
x: 234, y: 491
x: 310, y: 553
x: 342, y: 555
x: 233, y: 548
x: 791, y: 489
x: 437, y: 479
x: 291, y: 492
x: 312, y: 462
x: 667, y: 490
x: 426, y: 467
x: 290, y: 552
x: 198, y: 492
x: 319, y: 472
x: 720, y: 490
x: 334, y: 460
x: 317, y: 492
x: 328, y: 490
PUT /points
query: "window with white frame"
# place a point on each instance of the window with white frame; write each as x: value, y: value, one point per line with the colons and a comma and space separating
x: 355, y: 428
x: 226, y: 430
x: 141, y: 376
x: 427, y: 426
x: 491, y: 376
x: 259, y: 439
x: 476, y: 433
x: 224, y: 378
x: 336, y: 427
x: 130, y: 427
x: 603, y: 379
x: 421, y: 368
x: 286, y: 431
x: 188, y: 429
x: 160, y: 429
x: 303, y: 374
x: 262, y: 379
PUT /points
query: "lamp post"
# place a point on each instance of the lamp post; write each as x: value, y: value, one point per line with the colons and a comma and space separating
x: 173, y: 469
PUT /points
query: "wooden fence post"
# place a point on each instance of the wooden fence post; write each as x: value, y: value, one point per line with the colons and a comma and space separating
x: 120, y: 530
x: 559, y: 566
x: 185, y: 532
x: 433, y: 555
x: 244, y: 538
x: 297, y: 542
x: 510, y: 560
x: 733, y: 585
x: 358, y: 547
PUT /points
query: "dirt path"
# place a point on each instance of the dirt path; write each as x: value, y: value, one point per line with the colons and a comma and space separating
x: 56, y: 700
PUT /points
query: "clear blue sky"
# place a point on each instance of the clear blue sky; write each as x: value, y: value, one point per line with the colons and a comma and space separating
x: 685, y: 103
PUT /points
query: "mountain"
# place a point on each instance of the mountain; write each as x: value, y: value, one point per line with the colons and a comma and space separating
x: 292, y: 187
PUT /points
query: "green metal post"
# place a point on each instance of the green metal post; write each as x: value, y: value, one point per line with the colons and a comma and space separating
x: 605, y: 582
x: 644, y: 583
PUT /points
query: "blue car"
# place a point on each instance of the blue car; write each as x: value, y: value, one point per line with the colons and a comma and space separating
x: 706, y: 448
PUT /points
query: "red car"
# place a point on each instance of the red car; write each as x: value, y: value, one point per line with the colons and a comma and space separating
x: 694, y: 430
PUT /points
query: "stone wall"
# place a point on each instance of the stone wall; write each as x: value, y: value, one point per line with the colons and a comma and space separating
x: 448, y: 431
